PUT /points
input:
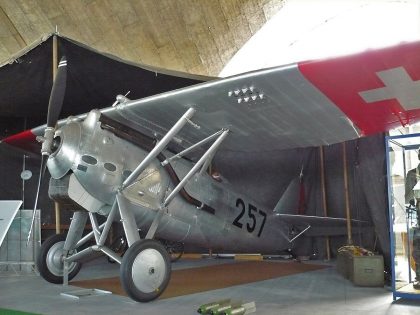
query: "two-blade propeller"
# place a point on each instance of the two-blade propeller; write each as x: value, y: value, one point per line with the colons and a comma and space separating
x: 54, y: 109
x: 57, y: 94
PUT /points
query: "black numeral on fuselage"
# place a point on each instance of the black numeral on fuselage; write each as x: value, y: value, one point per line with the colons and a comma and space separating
x: 251, y: 224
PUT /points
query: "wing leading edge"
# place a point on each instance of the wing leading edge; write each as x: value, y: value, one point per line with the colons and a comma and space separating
x: 306, y: 104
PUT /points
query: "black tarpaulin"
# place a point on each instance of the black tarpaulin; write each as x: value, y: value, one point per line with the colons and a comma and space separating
x: 93, y: 80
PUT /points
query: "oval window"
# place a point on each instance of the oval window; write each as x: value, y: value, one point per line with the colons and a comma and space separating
x: 110, y: 167
x: 88, y: 159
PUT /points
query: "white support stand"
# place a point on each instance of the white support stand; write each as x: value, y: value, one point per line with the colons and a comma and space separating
x: 14, y: 227
x: 83, y: 293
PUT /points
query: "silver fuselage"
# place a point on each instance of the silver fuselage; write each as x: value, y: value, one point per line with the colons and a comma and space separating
x: 99, y: 161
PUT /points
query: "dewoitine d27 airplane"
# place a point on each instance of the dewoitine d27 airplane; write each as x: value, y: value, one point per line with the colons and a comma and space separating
x: 137, y: 162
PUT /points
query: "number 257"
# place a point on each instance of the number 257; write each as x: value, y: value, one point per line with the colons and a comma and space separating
x: 252, y: 212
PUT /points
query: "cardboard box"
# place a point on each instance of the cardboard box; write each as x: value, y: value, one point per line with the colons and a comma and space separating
x: 367, y: 271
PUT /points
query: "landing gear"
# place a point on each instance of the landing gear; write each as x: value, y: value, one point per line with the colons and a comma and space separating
x: 174, y: 249
x: 119, y: 246
x: 145, y: 270
x: 50, y: 260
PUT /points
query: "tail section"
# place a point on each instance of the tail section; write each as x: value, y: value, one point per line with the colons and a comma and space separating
x: 289, y: 201
x: 288, y: 210
x: 321, y: 226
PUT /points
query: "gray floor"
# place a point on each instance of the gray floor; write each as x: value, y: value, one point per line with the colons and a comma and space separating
x: 318, y: 292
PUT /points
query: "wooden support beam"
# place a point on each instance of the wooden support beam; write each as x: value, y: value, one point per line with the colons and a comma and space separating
x: 324, y: 198
x: 346, y: 195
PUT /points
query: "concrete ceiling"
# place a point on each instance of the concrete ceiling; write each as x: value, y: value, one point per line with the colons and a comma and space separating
x: 195, y: 36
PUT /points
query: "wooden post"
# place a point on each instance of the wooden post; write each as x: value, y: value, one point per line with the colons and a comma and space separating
x: 54, y: 67
x: 324, y: 198
x: 55, y: 56
x: 346, y: 196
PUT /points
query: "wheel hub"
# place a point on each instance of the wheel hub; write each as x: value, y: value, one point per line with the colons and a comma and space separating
x: 55, y: 258
x: 148, y: 270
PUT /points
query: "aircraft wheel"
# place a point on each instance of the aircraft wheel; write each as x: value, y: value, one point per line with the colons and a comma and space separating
x: 145, y: 270
x: 50, y: 260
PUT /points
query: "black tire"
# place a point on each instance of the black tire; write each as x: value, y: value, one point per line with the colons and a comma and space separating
x: 175, y: 250
x: 49, y: 263
x: 151, y: 264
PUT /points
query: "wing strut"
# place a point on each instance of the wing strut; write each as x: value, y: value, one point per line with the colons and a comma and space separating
x: 290, y: 240
x: 203, y: 160
x: 127, y: 217
x: 160, y: 146
x: 191, y: 148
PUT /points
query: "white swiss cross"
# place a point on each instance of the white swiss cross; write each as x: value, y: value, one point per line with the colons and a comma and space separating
x: 399, y: 86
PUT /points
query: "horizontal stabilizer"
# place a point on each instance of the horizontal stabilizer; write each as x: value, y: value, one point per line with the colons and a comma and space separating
x: 322, y: 226
x: 316, y: 220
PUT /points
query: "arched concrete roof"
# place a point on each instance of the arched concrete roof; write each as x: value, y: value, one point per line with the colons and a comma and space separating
x: 185, y: 35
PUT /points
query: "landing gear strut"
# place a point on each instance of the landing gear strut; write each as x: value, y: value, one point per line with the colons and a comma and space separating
x: 174, y: 249
x: 50, y: 262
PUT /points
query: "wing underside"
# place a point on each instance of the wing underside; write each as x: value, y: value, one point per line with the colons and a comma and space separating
x: 267, y: 110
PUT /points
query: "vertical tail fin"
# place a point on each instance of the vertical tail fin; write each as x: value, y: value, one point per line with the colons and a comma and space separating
x: 289, y: 201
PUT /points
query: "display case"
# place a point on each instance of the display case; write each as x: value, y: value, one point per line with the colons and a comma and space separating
x: 402, y: 156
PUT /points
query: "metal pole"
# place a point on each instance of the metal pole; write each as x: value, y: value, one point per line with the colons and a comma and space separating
x: 87, y: 237
x: 108, y: 223
x: 128, y: 220
x: 324, y: 198
x: 56, y: 204
x: 111, y: 254
x: 346, y: 196
x: 55, y: 56
x: 159, y: 147
x: 95, y: 227
x: 198, y: 144
x: 406, y: 221
x: 57, y: 218
x: 24, y: 169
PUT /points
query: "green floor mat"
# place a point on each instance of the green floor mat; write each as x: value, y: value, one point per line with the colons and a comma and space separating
x: 12, y: 312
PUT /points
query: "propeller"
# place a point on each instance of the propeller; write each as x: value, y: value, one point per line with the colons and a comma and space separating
x: 55, y: 105
x: 57, y: 94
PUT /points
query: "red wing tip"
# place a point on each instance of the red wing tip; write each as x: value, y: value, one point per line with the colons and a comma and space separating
x: 22, y: 139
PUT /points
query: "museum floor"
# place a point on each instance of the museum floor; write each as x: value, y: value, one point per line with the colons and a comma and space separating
x: 322, y: 291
